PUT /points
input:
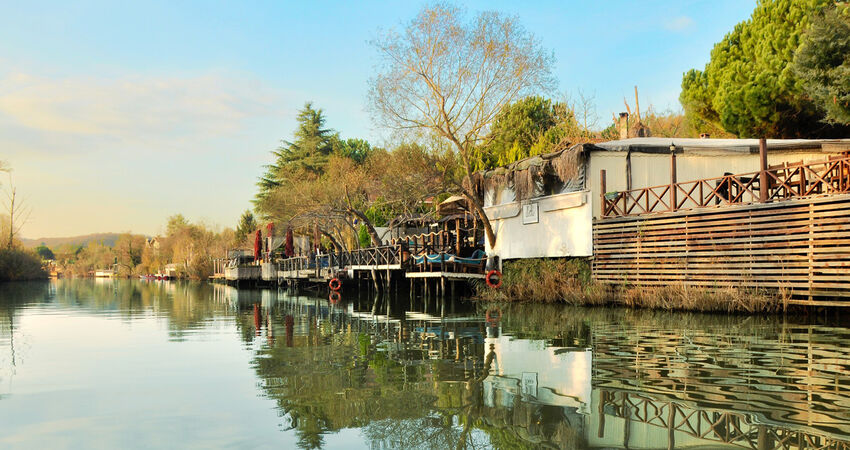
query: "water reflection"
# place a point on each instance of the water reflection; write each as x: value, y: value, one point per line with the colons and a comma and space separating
x: 407, y: 373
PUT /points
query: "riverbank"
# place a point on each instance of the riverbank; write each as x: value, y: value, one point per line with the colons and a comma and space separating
x: 20, y: 265
x: 569, y: 281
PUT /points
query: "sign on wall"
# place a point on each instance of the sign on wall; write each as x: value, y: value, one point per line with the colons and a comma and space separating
x: 530, y: 213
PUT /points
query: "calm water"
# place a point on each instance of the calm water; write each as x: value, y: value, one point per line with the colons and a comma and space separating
x: 126, y: 364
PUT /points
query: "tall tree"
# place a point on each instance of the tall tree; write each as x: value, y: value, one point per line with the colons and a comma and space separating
x: 450, y: 77
x: 307, y: 154
x: 748, y: 87
x: 823, y: 63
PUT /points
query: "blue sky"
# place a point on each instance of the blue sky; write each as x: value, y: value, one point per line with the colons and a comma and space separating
x: 115, y: 116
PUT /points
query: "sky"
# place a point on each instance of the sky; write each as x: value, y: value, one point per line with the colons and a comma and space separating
x: 116, y: 115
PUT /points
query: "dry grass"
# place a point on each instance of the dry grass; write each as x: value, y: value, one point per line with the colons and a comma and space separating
x: 725, y: 299
x: 568, y: 281
x: 547, y: 281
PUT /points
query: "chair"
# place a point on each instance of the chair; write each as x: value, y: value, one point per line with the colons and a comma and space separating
x: 794, y: 176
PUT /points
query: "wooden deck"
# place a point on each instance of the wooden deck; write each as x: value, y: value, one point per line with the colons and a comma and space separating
x: 378, y: 264
x: 774, y: 183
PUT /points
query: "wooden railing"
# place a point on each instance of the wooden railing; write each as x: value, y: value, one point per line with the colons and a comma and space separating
x: 373, y: 256
x: 428, y: 243
x: 296, y: 263
x: 778, y: 182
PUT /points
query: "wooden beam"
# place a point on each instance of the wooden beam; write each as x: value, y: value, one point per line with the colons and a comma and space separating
x: 673, y: 180
x: 602, y: 190
x: 763, y: 181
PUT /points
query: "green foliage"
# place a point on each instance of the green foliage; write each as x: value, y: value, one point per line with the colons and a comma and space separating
x: 531, y: 126
x: 363, y: 237
x: 748, y: 87
x: 356, y: 149
x: 18, y: 265
x: 44, y: 252
x: 823, y: 63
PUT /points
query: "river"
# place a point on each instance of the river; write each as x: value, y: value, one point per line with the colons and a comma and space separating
x: 131, y: 364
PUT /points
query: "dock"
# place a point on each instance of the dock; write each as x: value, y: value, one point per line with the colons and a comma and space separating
x: 423, y: 260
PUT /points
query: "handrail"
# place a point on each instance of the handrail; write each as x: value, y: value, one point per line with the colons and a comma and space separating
x: 783, y: 182
x: 334, y: 262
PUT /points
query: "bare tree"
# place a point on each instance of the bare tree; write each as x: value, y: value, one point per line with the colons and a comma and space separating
x: 16, y: 208
x: 449, y: 77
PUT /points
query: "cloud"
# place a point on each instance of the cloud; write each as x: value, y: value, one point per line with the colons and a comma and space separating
x: 679, y: 24
x: 132, y: 109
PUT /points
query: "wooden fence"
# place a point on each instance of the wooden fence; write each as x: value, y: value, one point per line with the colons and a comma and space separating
x: 800, y: 245
x: 780, y: 182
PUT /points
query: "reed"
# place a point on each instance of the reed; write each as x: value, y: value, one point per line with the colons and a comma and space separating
x: 569, y: 281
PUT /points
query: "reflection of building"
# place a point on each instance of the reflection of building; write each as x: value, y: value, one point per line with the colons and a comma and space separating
x: 106, y: 273
x: 538, y: 372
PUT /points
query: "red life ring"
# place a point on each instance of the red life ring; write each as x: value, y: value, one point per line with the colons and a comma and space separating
x: 491, y: 319
x: 335, y: 284
x: 335, y: 297
x: 489, y: 279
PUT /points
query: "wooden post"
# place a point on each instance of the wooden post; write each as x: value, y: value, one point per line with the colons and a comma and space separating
x: 673, y: 181
x: 602, y: 191
x: 457, y: 236
x: 763, y: 183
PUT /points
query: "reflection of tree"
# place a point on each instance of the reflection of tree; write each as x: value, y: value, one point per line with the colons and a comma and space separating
x: 13, y: 297
x: 186, y: 305
x: 331, y: 385
x: 407, y: 384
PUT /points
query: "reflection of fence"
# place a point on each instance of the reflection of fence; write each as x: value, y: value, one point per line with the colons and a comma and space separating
x: 716, y: 426
x: 791, y: 377
x: 778, y: 182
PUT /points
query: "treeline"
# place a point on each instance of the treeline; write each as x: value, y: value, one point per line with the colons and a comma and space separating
x: 460, y: 95
x: 191, y: 247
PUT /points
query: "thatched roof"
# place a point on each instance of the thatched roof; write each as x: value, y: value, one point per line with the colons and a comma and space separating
x: 523, y: 175
x: 453, y: 205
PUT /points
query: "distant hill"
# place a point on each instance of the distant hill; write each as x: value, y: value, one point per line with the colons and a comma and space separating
x: 55, y: 242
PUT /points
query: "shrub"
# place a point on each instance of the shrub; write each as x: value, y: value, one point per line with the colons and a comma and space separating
x: 18, y: 265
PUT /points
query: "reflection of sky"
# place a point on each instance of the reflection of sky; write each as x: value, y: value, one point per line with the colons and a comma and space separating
x: 93, y: 381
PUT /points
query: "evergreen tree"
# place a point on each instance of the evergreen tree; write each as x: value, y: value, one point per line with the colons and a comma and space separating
x: 307, y: 154
x: 246, y: 225
x: 823, y: 63
x: 531, y: 126
x: 748, y: 87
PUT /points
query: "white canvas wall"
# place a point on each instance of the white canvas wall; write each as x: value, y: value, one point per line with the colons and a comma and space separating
x: 564, y: 228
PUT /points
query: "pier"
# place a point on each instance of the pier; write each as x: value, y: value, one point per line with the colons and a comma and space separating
x: 430, y: 261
